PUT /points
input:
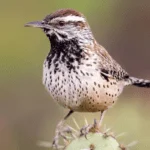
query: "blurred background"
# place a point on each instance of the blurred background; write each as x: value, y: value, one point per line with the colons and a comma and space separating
x: 27, y: 113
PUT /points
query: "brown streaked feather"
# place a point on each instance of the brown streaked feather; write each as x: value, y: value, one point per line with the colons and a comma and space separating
x: 62, y: 13
x: 108, y: 65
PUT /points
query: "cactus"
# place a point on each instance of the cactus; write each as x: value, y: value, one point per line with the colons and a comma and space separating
x: 94, y: 141
x: 91, y: 139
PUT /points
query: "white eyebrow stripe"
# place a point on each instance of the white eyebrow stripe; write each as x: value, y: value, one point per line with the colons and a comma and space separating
x: 70, y: 18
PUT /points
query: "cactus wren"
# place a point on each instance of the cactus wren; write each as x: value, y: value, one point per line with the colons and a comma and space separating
x: 79, y: 73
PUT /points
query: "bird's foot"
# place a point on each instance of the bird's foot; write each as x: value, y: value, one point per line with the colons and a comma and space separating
x: 61, y: 132
x: 90, y: 128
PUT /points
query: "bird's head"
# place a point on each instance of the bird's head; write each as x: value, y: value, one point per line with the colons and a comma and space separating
x: 63, y: 25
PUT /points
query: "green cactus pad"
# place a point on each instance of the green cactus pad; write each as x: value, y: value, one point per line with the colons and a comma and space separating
x: 94, y: 141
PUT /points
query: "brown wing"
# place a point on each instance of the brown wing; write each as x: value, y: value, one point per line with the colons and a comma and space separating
x: 109, y: 67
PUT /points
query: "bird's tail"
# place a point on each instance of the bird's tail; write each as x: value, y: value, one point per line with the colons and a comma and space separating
x: 138, y: 82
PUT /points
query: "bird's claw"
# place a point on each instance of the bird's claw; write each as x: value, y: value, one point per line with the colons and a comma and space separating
x: 89, y: 128
x: 61, y: 132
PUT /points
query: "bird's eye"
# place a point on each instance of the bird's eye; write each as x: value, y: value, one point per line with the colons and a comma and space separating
x: 61, y: 23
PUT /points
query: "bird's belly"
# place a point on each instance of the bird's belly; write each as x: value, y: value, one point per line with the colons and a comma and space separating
x: 82, y: 98
x: 88, y: 93
x: 92, y: 104
x: 97, y: 96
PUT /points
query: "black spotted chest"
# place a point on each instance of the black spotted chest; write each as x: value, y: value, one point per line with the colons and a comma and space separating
x: 59, y: 68
x: 61, y: 83
x: 80, y: 89
x: 76, y: 82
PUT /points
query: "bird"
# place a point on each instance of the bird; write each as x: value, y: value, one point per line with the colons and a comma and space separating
x: 78, y: 72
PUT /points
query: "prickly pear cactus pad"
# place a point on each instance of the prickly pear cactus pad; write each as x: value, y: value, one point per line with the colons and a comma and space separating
x: 89, y: 137
x: 94, y: 141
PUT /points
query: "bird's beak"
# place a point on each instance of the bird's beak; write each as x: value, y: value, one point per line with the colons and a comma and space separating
x: 37, y: 24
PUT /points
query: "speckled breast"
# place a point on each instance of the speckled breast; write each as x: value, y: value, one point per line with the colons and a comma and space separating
x: 82, y: 90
